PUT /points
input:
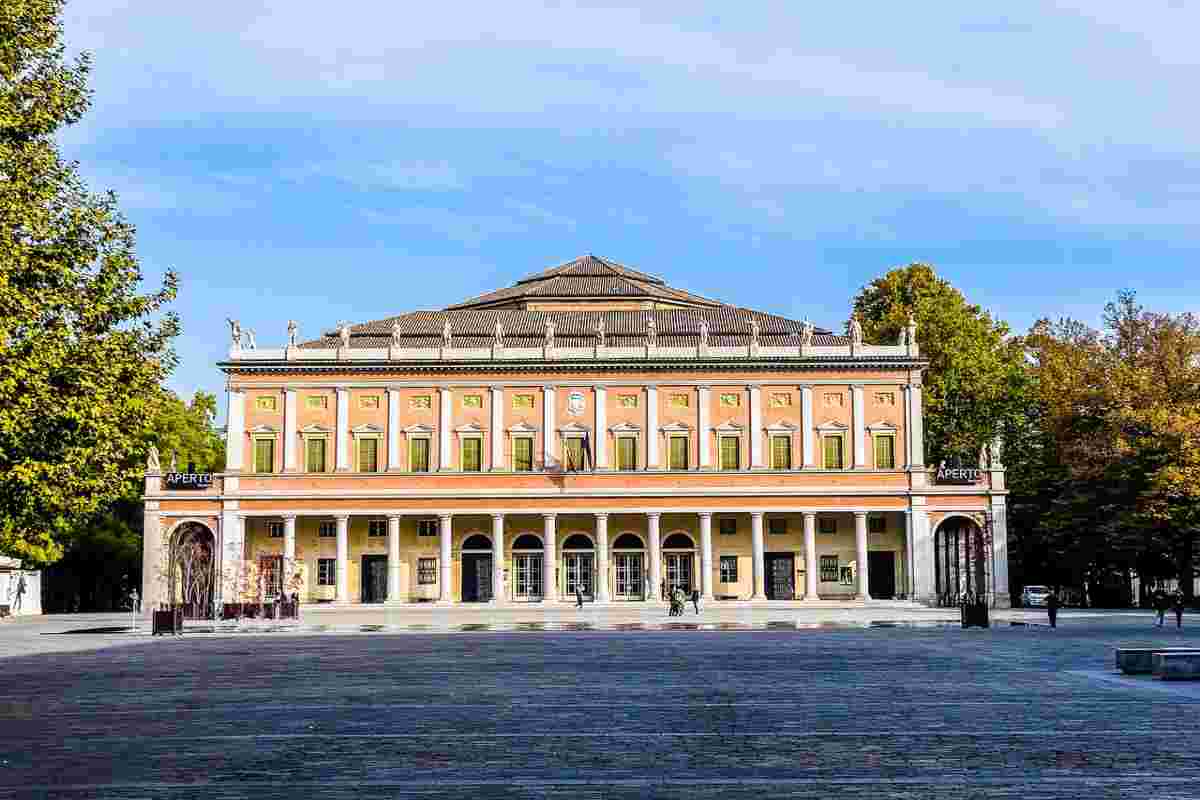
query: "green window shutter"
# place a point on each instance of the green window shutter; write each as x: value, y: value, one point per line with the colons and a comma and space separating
x: 627, y: 453
x: 368, y: 455
x: 885, y: 452
x: 781, y: 452
x: 833, y: 452
x: 316, y: 455
x: 418, y: 455
x: 264, y: 455
x: 523, y: 454
x: 729, y: 452
x: 471, y: 455
x: 679, y: 452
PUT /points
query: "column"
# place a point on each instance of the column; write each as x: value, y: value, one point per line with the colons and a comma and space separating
x: 909, y: 576
x: 289, y: 430
x: 652, y: 430
x: 445, y: 537
x: 289, y: 546
x: 154, y: 550
x: 860, y: 431
x: 393, y: 431
x: 808, y: 429
x: 706, y: 567
x: 497, y: 431
x: 756, y: 427
x: 498, y: 593
x: 704, y: 434
x: 602, y: 595
x: 343, y: 559
x: 924, y: 588
x: 860, y: 548
x: 445, y: 407
x: 600, y: 444
x: 548, y: 432
x: 235, y: 436
x: 549, y: 566
x: 916, y: 427
x: 1000, y: 553
x: 756, y: 543
x: 232, y: 556
x: 342, y: 435
x: 810, y: 556
x: 393, y: 590
x: 655, y: 555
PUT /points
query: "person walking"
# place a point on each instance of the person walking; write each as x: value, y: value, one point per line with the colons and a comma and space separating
x: 696, y: 599
x: 1159, y: 602
x: 1052, y: 608
x: 16, y: 605
x: 578, y: 595
x: 1177, y: 607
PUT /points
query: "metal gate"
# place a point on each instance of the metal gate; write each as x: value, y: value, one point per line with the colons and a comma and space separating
x: 580, y: 572
x: 629, y: 576
x: 679, y: 571
x: 527, y: 570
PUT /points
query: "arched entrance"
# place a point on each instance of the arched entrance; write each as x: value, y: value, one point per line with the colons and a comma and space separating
x: 960, y: 560
x: 192, y: 573
x: 527, y: 568
x: 579, y: 565
x: 629, y: 559
x: 477, y: 569
x: 679, y: 551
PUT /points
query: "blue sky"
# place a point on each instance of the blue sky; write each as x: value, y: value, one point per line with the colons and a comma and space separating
x: 318, y: 161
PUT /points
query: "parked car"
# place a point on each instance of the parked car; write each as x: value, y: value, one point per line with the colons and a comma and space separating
x: 1035, y: 596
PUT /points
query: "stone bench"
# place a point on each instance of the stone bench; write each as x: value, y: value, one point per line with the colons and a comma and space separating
x: 1176, y: 665
x: 1140, y: 660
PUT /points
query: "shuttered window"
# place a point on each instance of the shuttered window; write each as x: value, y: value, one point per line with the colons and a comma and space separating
x: 472, y: 459
x: 264, y: 455
x: 679, y: 453
x: 368, y: 455
x: 523, y: 454
x: 573, y: 453
x: 729, y: 452
x: 833, y: 452
x: 781, y: 452
x: 885, y: 452
x: 418, y: 455
x: 627, y: 453
x: 314, y: 455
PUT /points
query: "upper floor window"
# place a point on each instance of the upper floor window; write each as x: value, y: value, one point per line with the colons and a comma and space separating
x: 522, y: 401
x: 833, y: 447
x: 729, y: 448
x: 472, y: 401
x: 781, y: 452
x: 420, y: 402
x: 523, y: 454
x: 266, y: 402
x: 627, y: 453
x: 777, y: 526
x: 418, y: 455
x: 368, y: 401
x: 377, y: 527
x: 314, y: 454
x: 427, y: 527
x: 729, y: 572
x: 472, y: 454
x: 573, y: 452
x: 677, y: 452
x: 781, y: 399
x: 368, y: 454
x: 264, y: 455
x: 885, y: 451
x: 315, y: 401
x: 877, y: 524
x: 275, y: 528
x: 728, y: 526
x: 327, y: 529
x: 326, y: 571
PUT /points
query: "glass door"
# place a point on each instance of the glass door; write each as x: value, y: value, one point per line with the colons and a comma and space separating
x: 629, y: 575
x: 679, y: 571
x: 528, y: 572
x: 579, y: 573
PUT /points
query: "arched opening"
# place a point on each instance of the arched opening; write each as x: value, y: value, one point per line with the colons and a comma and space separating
x: 629, y: 573
x: 476, y: 567
x: 577, y: 541
x: 960, y: 560
x: 527, y: 568
x: 192, y: 571
x: 679, y: 552
x: 579, y: 566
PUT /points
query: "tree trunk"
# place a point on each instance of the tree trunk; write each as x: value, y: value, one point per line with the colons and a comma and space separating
x: 1186, y: 572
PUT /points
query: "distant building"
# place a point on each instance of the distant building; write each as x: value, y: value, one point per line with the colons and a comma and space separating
x: 588, y: 426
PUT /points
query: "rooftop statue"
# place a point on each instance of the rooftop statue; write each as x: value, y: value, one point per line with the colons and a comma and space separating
x: 856, y: 331
x: 600, y: 331
x: 806, y: 333
x: 152, y: 464
x: 235, y: 331
x: 549, y: 333
x: 704, y: 333
x: 652, y: 331
x: 754, y: 331
x: 395, y: 333
x: 293, y: 330
x: 498, y: 335
x: 248, y: 339
x: 343, y: 332
x: 447, y: 334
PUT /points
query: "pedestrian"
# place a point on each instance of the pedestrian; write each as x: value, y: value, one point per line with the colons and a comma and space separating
x: 680, y: 600
x: 696, y: 599
x: 1177, y: 607
x: 1159, y: 601
x: 578, y: 596
x: 663, y: 588
x: 16, y: 606
x: 1052, y: 608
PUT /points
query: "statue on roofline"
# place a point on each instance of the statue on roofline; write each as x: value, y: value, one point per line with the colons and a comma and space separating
x: 447, y: 334
x: 600, y: 332
x: 293, y: 330
x: 806, y: 333
x: 856, y: 331
x: 704, y: 333
x: 152, y: 464
x: 549, y: 333
x: 498, y: 334
x: 395, y: 333
x: 652, y: 331
x: 235, y: 331
x: 248, y: 340
x: 343, y: 332
x: 754, y: 331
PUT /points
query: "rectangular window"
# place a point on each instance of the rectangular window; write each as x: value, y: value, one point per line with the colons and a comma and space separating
x: 520, y: 401
x: 781, y: 400
x: 573, y: 453
x: 730, y: 400
x: 377, y: 527
x: 316, y: 401
x: 523, y: 454
x: 426, y: 571
x: 832, y: 446
x: 829, y: 569
x: 314, y: 455
x: 275, y: 528
x: 877, y: 524
x: 781, y: 452
x: 271, y: 575
x: 326, y: 571
x: 472, y: 401
x: 827, y: 524
x: 730, y: 452
x: 627, y: 400
x: 678, y: 453
x: 368, y: 455
x: 264, y: 455
x: 368, y: 401
x: 419, y: 402
x: 265, y: 402
x: 728, y: 527
x: 418, y: 455
x: 327, y: 529
x: 427, y: 527
x: 626, y: 453
x: 777, y: 526
x: 472, y: 454
x: 678, y: 401
x: 885, y: 452
x: 729, y: 569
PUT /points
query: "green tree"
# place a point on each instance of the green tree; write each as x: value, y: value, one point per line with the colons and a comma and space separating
x: 976, y: 383
x: 83, y: 350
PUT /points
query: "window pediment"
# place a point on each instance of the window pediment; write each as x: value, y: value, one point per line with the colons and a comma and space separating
x: 366, y: 429
x: 574, y: 429
x: 833, y: 426
x: 469, y: 428
x: 882, y: 427
x: 782, y: 426
x: 523, y: 427
x: 315, y: 429
x: 419, y: 430
x: 676, y: 427
x: 263, y: 429
x: 729, y: 428
x: 625, y: 427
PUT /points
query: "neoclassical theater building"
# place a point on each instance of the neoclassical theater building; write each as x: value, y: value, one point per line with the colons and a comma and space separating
x: 589, y: 428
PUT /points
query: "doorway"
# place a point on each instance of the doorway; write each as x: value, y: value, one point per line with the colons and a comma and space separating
x: 679, y: 552
x: 374, y: 578
x: 780, y: 569
x: 881, y: 574
x: 476, y: 577
x: 629, y: 568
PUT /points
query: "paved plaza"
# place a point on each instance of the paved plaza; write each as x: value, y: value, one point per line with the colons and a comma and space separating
x: 857, y: 706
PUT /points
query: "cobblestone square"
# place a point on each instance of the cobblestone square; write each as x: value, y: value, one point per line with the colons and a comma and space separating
x: 912, y: 712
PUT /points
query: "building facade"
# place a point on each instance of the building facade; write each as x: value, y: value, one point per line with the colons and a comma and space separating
x: 589, y: 428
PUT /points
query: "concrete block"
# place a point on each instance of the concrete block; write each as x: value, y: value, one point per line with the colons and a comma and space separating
x: 1177, y: 665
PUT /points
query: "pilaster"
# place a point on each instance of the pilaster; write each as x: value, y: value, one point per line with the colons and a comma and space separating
x: 600, y: 443
x: 808, y: 429
x: 704, y: 434
x: 756, y: 544
x: 445, y: 538
x: 393, y: 432
x: 445, y: 409
x: 652, y: 433
x: 497, y: 431
x: 289, y: 430
x: 602, y: 593
x: 235, y: 432
x: 342, y: 434
x: 652, y: 530
x: 862, y: 577
x: 342, y: 594
x: 860, y: 430
x: 706, y: 566
x: 549, y: 562
x: 756, y: 427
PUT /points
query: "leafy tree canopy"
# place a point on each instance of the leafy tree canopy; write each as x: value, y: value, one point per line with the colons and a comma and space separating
x: 83, y: 350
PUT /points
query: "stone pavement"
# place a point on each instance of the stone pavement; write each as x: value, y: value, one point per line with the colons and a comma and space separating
x: 919, y: 711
